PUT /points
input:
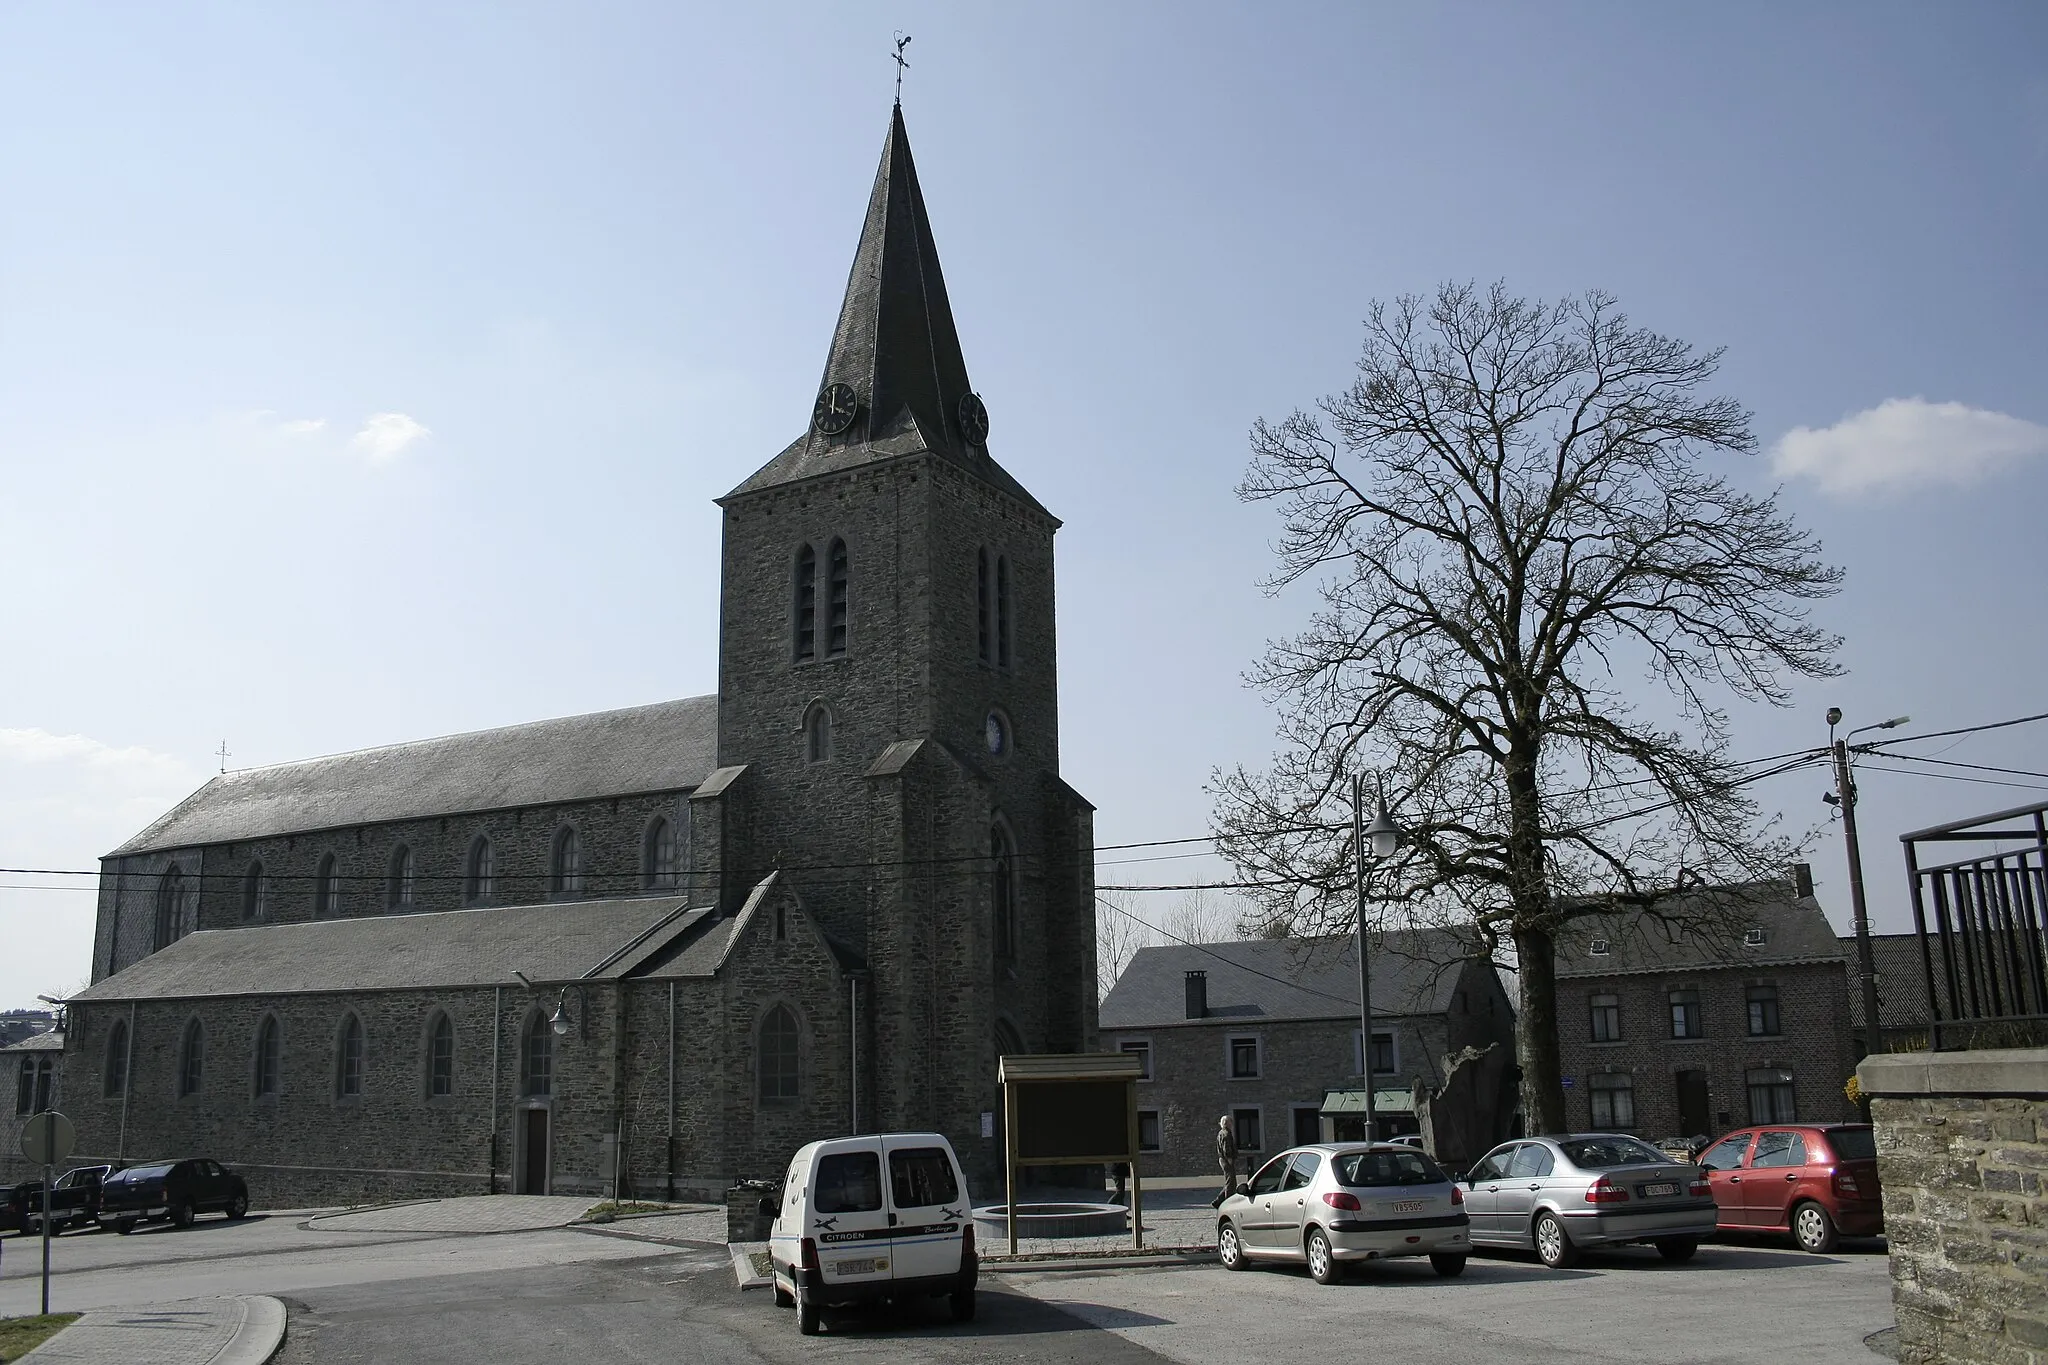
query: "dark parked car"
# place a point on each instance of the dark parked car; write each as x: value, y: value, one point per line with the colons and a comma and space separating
x: 1817, y: 1181
x: 74, y: 1201
x: 177, y: 1190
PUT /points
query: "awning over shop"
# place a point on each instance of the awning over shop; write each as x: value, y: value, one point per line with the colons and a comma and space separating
x: 1400, y: 1100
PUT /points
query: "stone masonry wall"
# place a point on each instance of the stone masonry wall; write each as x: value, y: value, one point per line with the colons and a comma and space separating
x: 1966, y: 1217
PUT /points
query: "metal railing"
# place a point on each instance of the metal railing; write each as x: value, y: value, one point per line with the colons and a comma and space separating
x: 1983, y: 928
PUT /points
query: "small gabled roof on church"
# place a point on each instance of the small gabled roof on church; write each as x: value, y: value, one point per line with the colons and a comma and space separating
x: 895, y: 346
x: 552, y: 943
x: 669, y: 746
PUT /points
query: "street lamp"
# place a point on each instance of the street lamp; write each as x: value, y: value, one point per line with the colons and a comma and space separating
x: 1382, y: 838
x: 1844, y: 795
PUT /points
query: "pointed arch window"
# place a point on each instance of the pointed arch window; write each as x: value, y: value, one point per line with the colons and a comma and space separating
x: 327, y: 887
x: 804, y: 610
x: 661, y: 865
x: 835, y: 603
x: 192, y: 1059
x: 269, y: 1058
x: 398, y: 885
x: 1003, y: 892
x: 37, y: 1075
x: 479, y: 876
x: 984, y: 587
x: 779, y: 1056
x: 255, y: 892
x: 348, y: 1060
x: 537, y: 1057
x: 173, y: 906
x: 114, y: 1076
x: 818, y: 733
x: 1002, y: 611
x: 441, y: 1057
x: 565, y: 875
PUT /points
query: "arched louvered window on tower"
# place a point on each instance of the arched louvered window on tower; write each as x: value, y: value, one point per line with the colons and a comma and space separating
x: 1002, y: 893
x: 984, y: 587
x: 1003, y: 611
x: 804, y: 607
x: 817, y: 733
x: 835, y: 603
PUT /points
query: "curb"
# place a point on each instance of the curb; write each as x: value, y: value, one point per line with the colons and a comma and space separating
x: 1148, y: 1261
x: 108, y: 1336
x: 743, y: 1265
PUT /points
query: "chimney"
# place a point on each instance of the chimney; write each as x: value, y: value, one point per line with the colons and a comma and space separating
x: 1802, y: 880
x: 1198, y: 995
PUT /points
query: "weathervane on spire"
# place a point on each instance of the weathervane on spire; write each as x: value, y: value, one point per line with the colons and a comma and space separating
x: 902, y: 41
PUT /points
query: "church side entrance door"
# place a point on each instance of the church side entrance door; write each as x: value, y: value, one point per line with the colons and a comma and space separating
x: 536, y: 1173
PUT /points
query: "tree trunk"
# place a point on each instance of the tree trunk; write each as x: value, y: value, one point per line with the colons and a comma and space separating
x: 1536, y: 1033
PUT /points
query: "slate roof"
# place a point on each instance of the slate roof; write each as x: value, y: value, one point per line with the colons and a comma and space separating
x: 895, y: 345
x: 1700, y: 931
x: 1414, y: 971
x: 49, y: 1040
x: 1901, y: 982
x: 668, y: 746
x: 556, y: 942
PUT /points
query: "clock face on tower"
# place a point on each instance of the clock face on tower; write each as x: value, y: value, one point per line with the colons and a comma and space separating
x: 973, y: 419
x: 835, y: 409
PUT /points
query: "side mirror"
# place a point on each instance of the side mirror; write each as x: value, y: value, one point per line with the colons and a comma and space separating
x: 1244, y: 1187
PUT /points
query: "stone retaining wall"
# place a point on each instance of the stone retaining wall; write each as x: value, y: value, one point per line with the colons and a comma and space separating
x: 1962, y: 1149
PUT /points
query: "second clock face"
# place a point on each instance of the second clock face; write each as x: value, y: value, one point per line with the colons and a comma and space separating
x: 973, y: 419
x: 835, y: 409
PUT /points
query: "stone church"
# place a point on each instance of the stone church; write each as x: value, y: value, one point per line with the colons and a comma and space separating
x: 656, y: 949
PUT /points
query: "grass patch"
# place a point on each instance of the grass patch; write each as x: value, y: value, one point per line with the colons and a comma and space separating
x: 764, y: 1264
x: 604, y: 1211
x: 19, y: 1336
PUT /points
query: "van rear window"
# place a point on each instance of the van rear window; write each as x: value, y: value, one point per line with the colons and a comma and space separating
x: 849, y: 1182
x: 920, y: 1177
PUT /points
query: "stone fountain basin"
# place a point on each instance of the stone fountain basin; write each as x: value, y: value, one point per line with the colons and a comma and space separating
x: 1053, y: 1220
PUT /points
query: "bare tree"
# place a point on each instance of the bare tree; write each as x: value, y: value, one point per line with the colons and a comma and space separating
x: 1122, y: 927
x: 1118, y: 936
x: 1512, y: 515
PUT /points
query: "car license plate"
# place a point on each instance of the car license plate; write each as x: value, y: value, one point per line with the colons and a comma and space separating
x: 1408, y: 1206
x: 867, y: 1267
x: 1660, y: 1189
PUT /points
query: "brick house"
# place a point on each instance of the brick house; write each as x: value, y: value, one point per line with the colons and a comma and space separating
x: 1741, y: 1017
x: 1266, y: 1031
x: 659, y: 947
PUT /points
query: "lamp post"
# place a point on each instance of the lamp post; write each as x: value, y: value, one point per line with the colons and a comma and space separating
x: 1381, y: 838
x: 1845, y: 796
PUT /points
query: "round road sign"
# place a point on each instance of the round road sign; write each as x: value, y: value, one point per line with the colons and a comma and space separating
x: 48, y: 1138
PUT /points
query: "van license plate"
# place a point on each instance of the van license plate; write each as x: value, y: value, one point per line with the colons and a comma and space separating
x: 1660, y: 1189
x: 1408, y: 1206
x: 853, y: 1267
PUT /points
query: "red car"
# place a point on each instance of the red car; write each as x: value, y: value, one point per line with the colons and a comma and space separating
x: 1817, y: 1181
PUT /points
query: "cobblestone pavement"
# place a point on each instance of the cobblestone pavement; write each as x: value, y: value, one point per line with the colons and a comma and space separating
x: 480, y: 1213
x: 1175, y: 1220
x: 242, y: 1329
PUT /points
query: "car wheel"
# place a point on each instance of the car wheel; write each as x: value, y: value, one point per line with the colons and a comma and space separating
x: 1814, y: 1229
x: 1228, y: 1248
x: 181, y: 1214
x: 124, y: 1226
x: 963, y: 1305
x: 1446, y: 1264
x: 1677, y: 1248
x: 1553, y: 1244
x: 238, y: 1206
x: 806, y: 1316
x: 1323, y: 1265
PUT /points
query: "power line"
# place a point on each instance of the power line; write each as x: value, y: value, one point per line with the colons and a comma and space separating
x: 1951, y: 777
x: 1951, y: 763
x: 1966, y: 730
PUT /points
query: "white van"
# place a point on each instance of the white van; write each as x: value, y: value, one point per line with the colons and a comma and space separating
x: 885, y: 1216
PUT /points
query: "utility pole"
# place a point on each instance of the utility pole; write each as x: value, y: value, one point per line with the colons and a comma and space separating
x: 1845, y: 797
x: 1364, y: 973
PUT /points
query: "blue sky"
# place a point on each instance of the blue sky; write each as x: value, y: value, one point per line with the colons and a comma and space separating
x: 367, y: 372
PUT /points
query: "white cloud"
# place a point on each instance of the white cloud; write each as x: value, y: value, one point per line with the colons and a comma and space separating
x: 1905, y: 443
x: 385, y: 435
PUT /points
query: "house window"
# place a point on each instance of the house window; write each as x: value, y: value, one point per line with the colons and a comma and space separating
x: 1685, y: 1014
x: 1614, y: 1100
x: 348, y: 1070
x: 537, y: 1057
x: 173, y: 907
x: 779, y: 1056
x: 192, y: 1059
x: 1606, y: 1011
x: 114, y: 1079
x: 805, y: 607
x: 1763, y: 1011
x: 565, y: 876
x: 1244, y: 1123
x: 1386, y: 1058
x: 835, y: 603
x: 817, y: 735
x: 255, y: 891
x: 1771, y: 1098
x: 985, y: 610
x: 327, y: 888
x: 269, y: 1050
x: 658, y: 855
x: 1002, y: 893
x: 398, y: 887
x: 441, y: 1058
x: 478, y: 877
x: 32, y: 1093
x: 1142, y: 1050
x: 1244, y: 1060
x: 1308, y: 1124
x: 1148, y: 1130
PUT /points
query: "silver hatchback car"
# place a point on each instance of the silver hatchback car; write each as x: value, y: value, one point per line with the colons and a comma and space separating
x: 1329, y: 1205
x: 1559, y: 1195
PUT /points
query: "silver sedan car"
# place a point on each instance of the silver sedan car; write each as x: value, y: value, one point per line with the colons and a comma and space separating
x: 1329, y: 1205
x: 1560, y: 1195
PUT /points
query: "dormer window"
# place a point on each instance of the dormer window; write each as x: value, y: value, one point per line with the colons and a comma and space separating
x: 1754, y: 938
x: 1598, y: 947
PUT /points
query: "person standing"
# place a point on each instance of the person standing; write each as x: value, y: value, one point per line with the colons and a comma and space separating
x: 1226, y: 1159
